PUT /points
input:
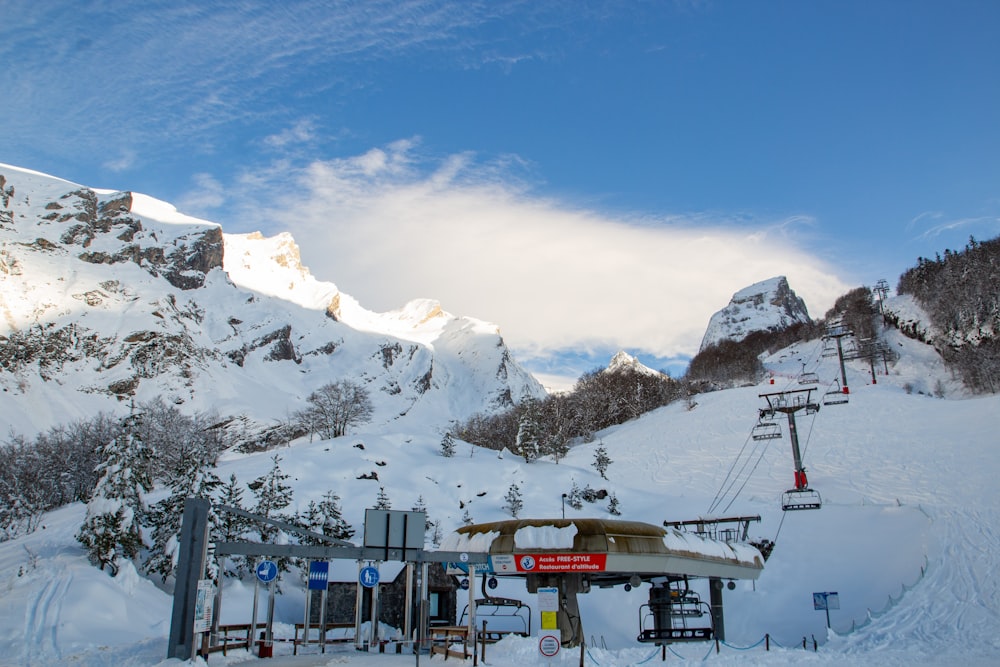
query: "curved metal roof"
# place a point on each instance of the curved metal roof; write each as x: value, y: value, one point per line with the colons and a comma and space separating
x: 605, y: 548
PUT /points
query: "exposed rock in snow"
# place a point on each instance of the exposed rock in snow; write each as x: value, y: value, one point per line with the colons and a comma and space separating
x: 109, y: 296
x: 770, y: 305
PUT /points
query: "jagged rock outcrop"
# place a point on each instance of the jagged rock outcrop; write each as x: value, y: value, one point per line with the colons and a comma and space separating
x: 107, y: 296
x: 769, y: 305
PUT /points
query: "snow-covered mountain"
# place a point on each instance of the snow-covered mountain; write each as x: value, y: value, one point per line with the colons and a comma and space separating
x: 769, y: 305
x: 625, y: 361
x: 108, y: 296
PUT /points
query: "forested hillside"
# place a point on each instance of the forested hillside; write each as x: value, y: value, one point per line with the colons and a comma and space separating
x: 961, y: 294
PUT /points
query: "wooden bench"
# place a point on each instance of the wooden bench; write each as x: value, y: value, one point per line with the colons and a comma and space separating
x: 300, y: 627
x: 443, y: 636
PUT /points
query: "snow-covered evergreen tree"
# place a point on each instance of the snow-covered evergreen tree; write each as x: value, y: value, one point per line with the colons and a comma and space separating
x: 231, y: 527
x: 601, y: 460
x: 112, y: 531
x: 512, y: 501
x: 575, y: 497
x: 382, y: 501
x: 613, y: 505
x: 448, y: 445
x: 331, y: 520
x: 529, y: 435
x: 273, y: 495
x: 557, y: 445
x: 191, y: 477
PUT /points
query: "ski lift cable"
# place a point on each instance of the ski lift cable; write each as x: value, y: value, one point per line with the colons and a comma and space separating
x: 743, y: 474
x: 743, y: 459
x: 747, y: 478
x: 780, y: 524
x: 716, y: 501
x: 812, y: 424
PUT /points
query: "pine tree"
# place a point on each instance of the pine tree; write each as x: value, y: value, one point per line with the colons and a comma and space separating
x: 333, y: 522
x: 575, y: 497
x: 273, y: 495
x: 529, y: 435
x: 112, y: 532
x: 613, y: 505
x: 231, y: 527
x: 192, y: 478
x: 557, y: 445
x: 421, y: 506
x: 512, y: 501
x: 447, y: 446
x: 382, y: 501
x: 601, y: 460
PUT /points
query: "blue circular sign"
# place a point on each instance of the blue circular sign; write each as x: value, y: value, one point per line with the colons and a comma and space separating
x: 368, y: 576
x: 464, y: 584
x: 267, y: 570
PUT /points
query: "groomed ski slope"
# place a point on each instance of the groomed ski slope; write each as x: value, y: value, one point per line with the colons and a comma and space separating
x: 907, y: 536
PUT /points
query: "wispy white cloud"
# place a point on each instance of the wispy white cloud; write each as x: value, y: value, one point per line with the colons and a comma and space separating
x: 386, y: 229
x: 173, y: 74
x: 933, y: 224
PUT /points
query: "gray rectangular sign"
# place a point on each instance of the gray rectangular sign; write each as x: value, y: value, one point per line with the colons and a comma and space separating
x: 394, y: 529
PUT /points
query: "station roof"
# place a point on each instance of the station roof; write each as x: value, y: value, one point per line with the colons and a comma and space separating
x: 605, y: 548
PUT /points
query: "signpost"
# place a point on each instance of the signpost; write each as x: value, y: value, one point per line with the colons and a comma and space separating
x: 826, y: 602
x: 548, y: 606
x: 267, y: 572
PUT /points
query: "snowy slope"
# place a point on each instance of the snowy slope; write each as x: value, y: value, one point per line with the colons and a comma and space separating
x: 907, y: 535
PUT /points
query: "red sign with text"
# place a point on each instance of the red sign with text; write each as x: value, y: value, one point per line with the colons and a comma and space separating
x: 560, y: 562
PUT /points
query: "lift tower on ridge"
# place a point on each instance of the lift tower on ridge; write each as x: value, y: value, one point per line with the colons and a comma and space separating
x: 789, y: 402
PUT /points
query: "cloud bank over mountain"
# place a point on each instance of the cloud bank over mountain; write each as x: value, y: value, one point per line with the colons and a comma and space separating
x: 390, y: 225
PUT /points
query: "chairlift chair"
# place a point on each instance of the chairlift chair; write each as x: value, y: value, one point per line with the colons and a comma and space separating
x: 809, y: 378
x: 675, y: 612
x: 801, y: 499
x: 766, y: 431
x: 835, y: 396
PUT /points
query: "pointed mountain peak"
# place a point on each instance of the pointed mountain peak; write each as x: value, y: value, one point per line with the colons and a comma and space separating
x: 768, y: 305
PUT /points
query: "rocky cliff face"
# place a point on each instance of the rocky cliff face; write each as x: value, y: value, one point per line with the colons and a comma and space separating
x: 109, y: 296
x: 770, y: 305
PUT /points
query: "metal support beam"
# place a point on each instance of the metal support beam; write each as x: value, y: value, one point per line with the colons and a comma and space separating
x: 190, y: 566
x: 715, y: 587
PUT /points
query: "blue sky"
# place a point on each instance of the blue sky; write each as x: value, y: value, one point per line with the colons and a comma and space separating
x: 590, y: 176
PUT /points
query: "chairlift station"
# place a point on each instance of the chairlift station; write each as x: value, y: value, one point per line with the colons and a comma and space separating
x: 575, y: 555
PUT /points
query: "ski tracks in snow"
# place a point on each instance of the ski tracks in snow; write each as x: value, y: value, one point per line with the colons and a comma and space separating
x: 41, y: 623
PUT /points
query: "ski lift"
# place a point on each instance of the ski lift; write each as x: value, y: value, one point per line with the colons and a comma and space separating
x: 829, y: 348
x: 675, y: 612
x: 765, y: 431
x: 836, y: 395
x: 801, y: 499
x: 808, y: 378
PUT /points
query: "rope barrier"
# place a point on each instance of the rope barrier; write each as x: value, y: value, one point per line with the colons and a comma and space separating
x: 650, y: 657
x: 744, y: 648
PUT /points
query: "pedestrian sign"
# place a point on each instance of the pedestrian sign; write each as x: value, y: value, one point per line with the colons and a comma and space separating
x: 368, y: 576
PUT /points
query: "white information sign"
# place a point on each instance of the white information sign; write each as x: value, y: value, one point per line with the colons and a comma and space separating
x: 548, y: 645
x: 203, y: 605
